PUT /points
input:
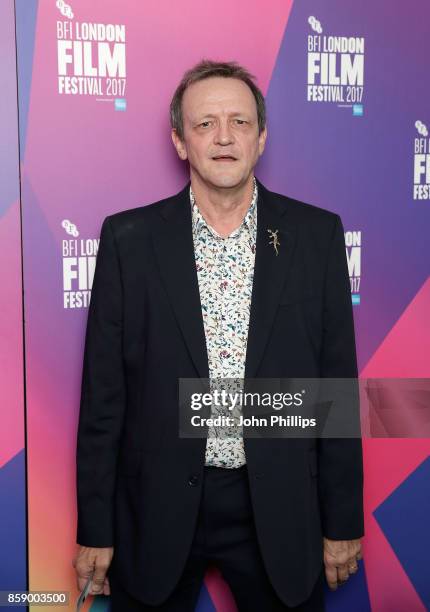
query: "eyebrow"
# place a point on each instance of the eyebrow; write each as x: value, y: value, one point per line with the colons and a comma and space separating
x: 212, y: 116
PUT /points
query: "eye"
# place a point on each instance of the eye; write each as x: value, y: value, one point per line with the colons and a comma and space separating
x: 240, y: 121
x: 205, y: 124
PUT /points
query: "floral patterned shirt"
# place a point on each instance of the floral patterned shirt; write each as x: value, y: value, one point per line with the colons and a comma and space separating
x: 225, y: 270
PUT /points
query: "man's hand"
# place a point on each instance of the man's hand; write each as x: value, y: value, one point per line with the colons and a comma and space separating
x: 97, y: 559
x: 340, y: 560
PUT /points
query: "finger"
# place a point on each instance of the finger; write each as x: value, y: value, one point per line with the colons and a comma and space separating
x: 331, y: 577
x: 97, y: 582
x: 99, y: 576
x: 352, y: 563
x: 106, y: 587
x: 342, y: 573
x: 82, y: 576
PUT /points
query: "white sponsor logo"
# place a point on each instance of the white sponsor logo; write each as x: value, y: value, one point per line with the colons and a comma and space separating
x: 70, y: 228
x: 64, y: 9
x: 421, y: 128
x: 353, y: 256
x: 91, y: 59
x: 421, y: 187
x: 79, y: 262
x: 335, y: 68
x: 315, y: 24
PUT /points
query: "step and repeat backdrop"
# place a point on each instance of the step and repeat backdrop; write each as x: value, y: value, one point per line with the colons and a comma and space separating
x: 86, y: 86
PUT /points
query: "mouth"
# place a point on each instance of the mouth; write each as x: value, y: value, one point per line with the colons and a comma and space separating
x: 224, y: 158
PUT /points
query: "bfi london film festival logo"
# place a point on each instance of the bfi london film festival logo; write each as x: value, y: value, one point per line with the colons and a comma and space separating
x: 353, y: 257
x: 421, y: 162
x: 335, y: 69
x: 91, y: 58
x: 79, y: 262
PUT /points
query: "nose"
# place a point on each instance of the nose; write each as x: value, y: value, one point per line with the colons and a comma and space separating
x: 224, y: 134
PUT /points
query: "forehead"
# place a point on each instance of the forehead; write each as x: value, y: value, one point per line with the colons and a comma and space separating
x: 218, y: 94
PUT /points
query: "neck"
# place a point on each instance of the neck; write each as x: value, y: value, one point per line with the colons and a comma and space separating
x: 223, y: 208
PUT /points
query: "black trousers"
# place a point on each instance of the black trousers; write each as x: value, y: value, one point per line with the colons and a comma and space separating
x: 225, y: 536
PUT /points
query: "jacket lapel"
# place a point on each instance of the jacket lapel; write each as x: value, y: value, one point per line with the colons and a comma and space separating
x: 173, y: 245
x: 174, y: 248
x: 270, y: 273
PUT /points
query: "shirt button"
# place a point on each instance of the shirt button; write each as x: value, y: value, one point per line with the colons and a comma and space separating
x: 193, y: 481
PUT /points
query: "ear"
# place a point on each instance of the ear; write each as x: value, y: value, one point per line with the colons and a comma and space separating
x: 179, y: 144
x: 262, y: 140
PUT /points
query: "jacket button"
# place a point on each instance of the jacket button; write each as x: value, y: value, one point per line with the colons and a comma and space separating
x: 193, y: 481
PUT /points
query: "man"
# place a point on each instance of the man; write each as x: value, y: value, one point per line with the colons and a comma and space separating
x: 225, y: 279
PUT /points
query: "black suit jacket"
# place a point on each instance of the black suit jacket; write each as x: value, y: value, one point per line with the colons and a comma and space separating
x: 138, y: 482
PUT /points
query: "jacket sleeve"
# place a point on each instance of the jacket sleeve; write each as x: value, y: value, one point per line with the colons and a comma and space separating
x: 103, y: 397
x: 340, y: 459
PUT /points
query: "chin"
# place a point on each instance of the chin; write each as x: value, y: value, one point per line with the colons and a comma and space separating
x: 226, y: 180
x: 228, y: 183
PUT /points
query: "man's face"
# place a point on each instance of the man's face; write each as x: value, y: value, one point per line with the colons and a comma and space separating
x: 221, y: 139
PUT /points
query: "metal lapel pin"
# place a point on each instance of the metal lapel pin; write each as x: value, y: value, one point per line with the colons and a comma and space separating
x: 275, y: 241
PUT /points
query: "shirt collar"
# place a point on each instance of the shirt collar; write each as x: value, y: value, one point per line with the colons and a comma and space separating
x: 249, y: 221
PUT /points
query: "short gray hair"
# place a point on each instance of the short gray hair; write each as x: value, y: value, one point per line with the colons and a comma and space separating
x: 204, y: 70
